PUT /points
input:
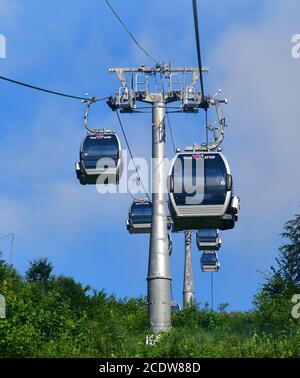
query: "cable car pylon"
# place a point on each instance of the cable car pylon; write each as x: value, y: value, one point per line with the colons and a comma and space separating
x: 188, y: 284
x: 219, y: 211
x: 125, y: 100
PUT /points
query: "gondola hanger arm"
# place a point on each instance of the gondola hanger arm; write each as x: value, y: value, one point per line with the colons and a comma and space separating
x: 222, y: 123
x: 88, y: 102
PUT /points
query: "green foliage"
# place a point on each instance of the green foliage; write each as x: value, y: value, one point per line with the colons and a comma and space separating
x: 50, y: 316
x: 273, y: 301
x: 64, y: 319
x: 39, y: 271
x: 289, y: 258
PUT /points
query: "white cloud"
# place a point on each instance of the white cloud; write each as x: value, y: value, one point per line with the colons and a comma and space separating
x: 262, y: 82
x: 40, y: 191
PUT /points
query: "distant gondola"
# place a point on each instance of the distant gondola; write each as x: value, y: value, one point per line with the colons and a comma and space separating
x: 200, y: 190
x: 208, y: 239
x: 210, y: 261
x: 100, y: 159
x: 140, y: 218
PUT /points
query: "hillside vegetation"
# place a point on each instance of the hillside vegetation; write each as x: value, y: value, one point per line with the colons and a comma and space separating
x: 54, y: 316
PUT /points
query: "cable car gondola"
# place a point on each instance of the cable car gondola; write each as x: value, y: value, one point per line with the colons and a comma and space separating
x: 210, y: 261
x: 200, y: 189
x: 208, y: 239
x: 100, y: 158
x: 140, y: 218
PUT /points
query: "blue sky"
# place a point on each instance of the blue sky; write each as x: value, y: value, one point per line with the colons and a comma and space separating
x: 68, y: 46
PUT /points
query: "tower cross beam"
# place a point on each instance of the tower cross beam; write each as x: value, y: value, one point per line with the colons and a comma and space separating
x: 183, y: 90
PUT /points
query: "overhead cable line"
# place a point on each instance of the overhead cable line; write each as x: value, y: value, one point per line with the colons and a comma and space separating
x: 196, y: 24
x: 5, y: 236
x: 206, y: 127
x: 130, y: 34
x: 171, y: 131
x: 52, y: 92
x: 198, y: 47
x: 171, y: 290
x: 168, y: 121
x: 131, y: 155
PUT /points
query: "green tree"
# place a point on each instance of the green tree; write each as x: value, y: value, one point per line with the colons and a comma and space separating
x: 222, y: 307
x: 39, y: 271
x: 273, y: 301
x: 284, y: 280
x: 72, y: 292
x: 289, y: 257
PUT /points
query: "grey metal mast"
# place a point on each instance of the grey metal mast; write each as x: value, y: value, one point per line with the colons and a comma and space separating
x: 12, y: 243
x: 188, y: 284
x: 181, y: 87
x: 159, y: 267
